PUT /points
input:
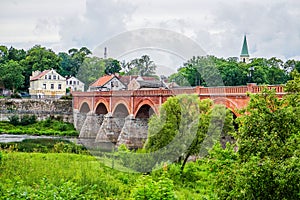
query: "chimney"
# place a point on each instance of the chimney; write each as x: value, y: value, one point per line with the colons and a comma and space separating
x: 105, y: 52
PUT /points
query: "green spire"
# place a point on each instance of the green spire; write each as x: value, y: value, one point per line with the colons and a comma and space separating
x: 245, y: 52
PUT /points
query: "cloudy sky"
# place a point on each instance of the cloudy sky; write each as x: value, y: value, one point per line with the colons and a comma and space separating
x: 218, y: 26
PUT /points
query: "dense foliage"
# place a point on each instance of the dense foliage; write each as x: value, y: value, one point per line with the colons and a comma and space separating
x: 267, y: 163
x: 27, y: 124
x: 183, y: 125
x: 199, y: 70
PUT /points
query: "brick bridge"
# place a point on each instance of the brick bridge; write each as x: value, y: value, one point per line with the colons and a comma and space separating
x: 121, y: 116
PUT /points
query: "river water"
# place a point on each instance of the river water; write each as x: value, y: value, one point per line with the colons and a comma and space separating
x: 5, y: 138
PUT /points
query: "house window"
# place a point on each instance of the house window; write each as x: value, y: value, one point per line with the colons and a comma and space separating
x: 57, y: 77
x: 59, y: 86
x: 70, y: 82
x: 49, y: 76
x: 74, y: 82
x: 54, y: 77
x: 52, y: 86
x: 45, y: 76
x: 77, y: 82
x: 44, y: 86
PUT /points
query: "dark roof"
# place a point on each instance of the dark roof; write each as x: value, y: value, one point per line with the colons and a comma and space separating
x: 126, y: 79
x: 150, y: 84
x: 245, y: 48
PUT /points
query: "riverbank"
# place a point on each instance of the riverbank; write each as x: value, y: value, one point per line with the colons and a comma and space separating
x: 48, y: 127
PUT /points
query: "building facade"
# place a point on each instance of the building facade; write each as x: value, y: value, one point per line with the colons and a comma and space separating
x: 47, y: 84
x: 107, y: 83
x: 74, y: 84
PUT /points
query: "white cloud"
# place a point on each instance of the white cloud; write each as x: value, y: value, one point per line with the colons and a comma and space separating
x: 273, y: 27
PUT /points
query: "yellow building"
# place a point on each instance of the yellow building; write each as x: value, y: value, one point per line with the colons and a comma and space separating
x: 47, y: 84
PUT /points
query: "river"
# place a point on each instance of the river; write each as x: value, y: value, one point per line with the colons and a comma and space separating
x: 5, y: 138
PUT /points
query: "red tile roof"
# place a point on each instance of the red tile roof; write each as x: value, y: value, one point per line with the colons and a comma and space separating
x: 102, y: 80
x: 39, y: 75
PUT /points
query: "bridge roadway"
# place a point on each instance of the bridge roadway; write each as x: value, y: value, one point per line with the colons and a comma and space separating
x: 101, y: 115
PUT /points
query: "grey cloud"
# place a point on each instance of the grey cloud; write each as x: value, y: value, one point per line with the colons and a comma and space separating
x: 101, y: 20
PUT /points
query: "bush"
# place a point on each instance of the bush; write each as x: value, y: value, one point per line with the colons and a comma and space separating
x: 147, y: 188
x: 14, y: 120
x: 27, y: 120
x: 16, y: 96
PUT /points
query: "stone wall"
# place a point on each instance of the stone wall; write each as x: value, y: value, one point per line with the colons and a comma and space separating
x: 42, y: 108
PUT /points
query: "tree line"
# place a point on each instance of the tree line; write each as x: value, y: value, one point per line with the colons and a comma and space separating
x: 262, y: 162
x: 17, y: 65
x: 197, y: 71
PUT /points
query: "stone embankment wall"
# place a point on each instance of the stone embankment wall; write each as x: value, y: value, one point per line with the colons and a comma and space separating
x: 42, y: 108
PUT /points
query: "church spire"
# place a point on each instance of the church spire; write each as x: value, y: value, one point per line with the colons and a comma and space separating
x: 244, y: 53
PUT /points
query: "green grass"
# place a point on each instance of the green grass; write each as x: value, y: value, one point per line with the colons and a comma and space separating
x: 46, y: 127
x: 77, y: 176
x: 45, y: 145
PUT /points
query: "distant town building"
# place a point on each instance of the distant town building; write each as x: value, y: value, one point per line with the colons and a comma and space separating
x: 107, y: 83
x: 47, y: 84
x: 74, y: 84
x: 140, y: 83
x: 245, y: 57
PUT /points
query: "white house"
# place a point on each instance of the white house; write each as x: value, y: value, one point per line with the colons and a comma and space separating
x: 107, y: 83
x: 74, y: 84
x: 47, y: 84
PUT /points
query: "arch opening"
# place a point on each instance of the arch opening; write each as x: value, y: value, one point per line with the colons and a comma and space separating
x: 120, y: 111
x: 84, y: 108
x: 145, y: 112
x: 101, y: 109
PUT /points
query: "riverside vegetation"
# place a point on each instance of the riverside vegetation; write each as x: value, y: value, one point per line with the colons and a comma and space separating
x: 27, y: 124
x: 266, y: 165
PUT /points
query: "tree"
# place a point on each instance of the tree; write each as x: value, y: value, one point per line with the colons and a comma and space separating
x: 268, y: 156
x: 66, y: 64
x: 182, y: 126
x: 143, y: 66
x: 11, y: 75
x: 38, y: 58
x: 3, y: 54
x: 200, y: 70
x: 90, y: 70
x: 72, y: 65
x: 112, y: 66
x: 16, y: 54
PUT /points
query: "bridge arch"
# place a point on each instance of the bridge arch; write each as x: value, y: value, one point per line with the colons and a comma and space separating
x: 229, y: 105
x: 101, y: 108
x: 145, y: 109
x: 120, y: 110
x: 84, y: 107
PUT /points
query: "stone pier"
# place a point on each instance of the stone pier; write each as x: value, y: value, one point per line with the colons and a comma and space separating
x: 105, y: 130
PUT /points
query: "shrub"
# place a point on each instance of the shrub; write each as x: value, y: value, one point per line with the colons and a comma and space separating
x: 147, y: 188
x: 27, y: 120
x: 14, y: 120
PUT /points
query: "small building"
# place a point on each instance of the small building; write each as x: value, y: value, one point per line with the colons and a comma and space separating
x: 139, y: 84
x: 74, y: 84
x: 47, y: 84
x: 107, y: 83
